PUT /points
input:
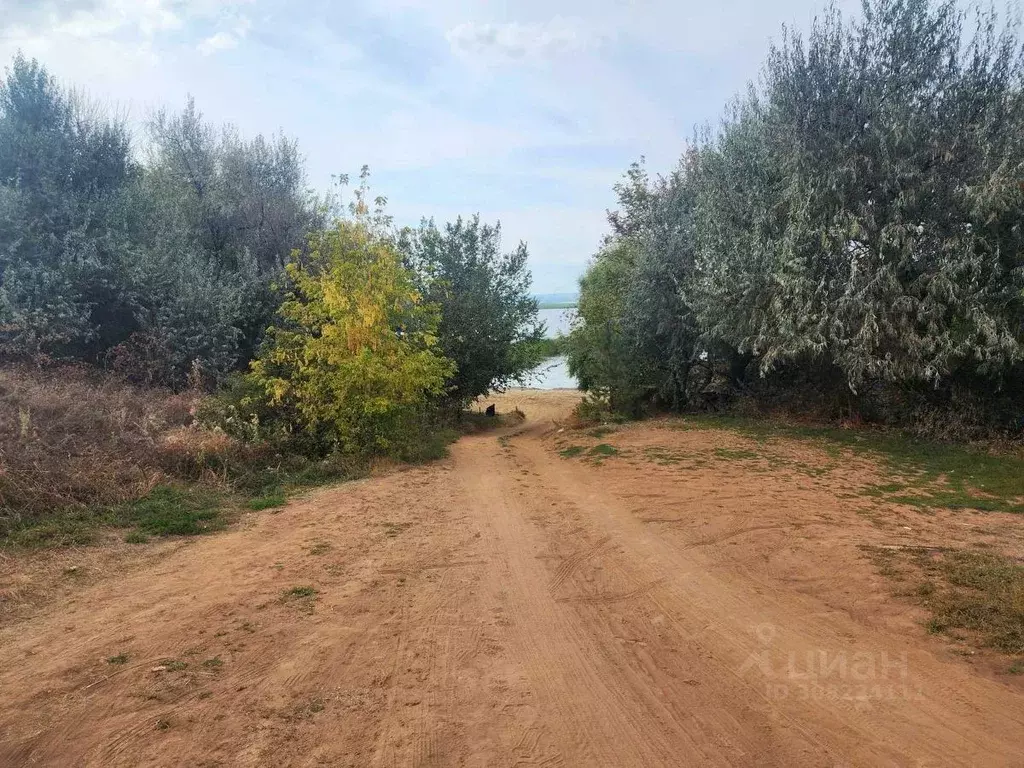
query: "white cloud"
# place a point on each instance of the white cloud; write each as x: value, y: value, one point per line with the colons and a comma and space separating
x: 511, y: 42
x: 222, y: 41
x: 225, y: 40
x: 145, y: 17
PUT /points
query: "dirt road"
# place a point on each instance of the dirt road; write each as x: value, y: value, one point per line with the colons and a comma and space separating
x: 514, y: 607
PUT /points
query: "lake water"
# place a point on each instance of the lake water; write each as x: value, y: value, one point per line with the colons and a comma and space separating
x: 557, y: 321
x: 553, y: 373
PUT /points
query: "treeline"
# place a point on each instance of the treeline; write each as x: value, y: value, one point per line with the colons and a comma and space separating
x: 194, y: 257
x: 847, y: 241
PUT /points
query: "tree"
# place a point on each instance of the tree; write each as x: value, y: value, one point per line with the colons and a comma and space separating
x: 231, y: 212
x: 354, y: 360
x: 850, y: 231
x: 599, y: 352
x: 64, y: 229
x: 489, y: 325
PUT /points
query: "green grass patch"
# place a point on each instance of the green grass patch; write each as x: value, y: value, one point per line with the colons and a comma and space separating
x: 273, y: 498
x: 182, y: 509
x: 735, y: 454
x: 603, y: 450
x: 927, y: 473
x: 121, y: 658
x: 214, y: 663
x: 304, y: 597
x: 173, y: 510
x: 980, y: 592
x: 664, y: 456
x: 299, y: 592
x: 571, y: 452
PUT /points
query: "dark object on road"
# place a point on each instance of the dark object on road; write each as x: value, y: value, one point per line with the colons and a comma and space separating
x: 490, y: 411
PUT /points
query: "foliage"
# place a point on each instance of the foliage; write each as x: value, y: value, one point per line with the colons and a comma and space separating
x: 223, y: 217
x: 160, y: 269
x: 599, y: 351
x: 849, y: 235
x: 353, y: 363
x: 547, y: 348
x: 64, y: 172
x: 489, y: 324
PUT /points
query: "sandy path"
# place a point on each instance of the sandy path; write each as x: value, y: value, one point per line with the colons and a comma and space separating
x: 508, y: 607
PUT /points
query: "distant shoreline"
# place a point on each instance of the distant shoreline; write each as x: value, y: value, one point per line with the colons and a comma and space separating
x: 557, y: 305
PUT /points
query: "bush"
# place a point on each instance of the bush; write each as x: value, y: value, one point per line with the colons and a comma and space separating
x: 489, y: 325
x: 353, y: 364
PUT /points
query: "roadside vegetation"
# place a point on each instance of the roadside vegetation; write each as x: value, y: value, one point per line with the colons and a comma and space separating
x: 187, y: 332
x: 975, y: 598
x: 843, y: 244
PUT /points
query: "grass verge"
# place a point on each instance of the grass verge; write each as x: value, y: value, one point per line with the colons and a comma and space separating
x: 925, y: 473
x: 973, y: 596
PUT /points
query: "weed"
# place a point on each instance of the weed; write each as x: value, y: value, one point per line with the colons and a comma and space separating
x: 929, y: 474
x: 600, y: 432
x: 319, y: 548
x: 174, y: 665
x: 214, y: 663
x: 173, y: 510
x: 136, y: 537
x: 163, y: 724
x: 272, y: 498
x: 121, y: 658
x: 393, y: 529
x: 603, y: 449
x: 571, y: 452
x: 981, y: 592
x: 664, y: 456
x: 735, y: 454
x: 296, y: 592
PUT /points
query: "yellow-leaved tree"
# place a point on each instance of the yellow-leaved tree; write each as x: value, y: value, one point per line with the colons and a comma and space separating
x: 352, y: 360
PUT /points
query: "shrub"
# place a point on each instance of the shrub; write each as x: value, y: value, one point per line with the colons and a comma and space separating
x: 489, y: 325
x: 352, y: 364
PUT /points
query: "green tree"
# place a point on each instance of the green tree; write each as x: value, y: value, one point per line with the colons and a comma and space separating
x: 222, y: 216
x: 851, y: 229
x: 599, y: 352
x: 489, y: 324
x: 64, y: 234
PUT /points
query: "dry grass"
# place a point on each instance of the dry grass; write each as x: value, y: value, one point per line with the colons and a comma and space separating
x: 70, y: 437
x: 80, y: 449
x: 973, y: 596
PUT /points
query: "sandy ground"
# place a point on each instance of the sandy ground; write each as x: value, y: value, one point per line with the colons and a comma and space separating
x: 511, y: 607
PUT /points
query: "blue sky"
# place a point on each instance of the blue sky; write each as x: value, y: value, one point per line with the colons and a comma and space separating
x: 524, y: 111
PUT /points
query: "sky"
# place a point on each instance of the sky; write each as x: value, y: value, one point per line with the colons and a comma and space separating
x: 526, y: 111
